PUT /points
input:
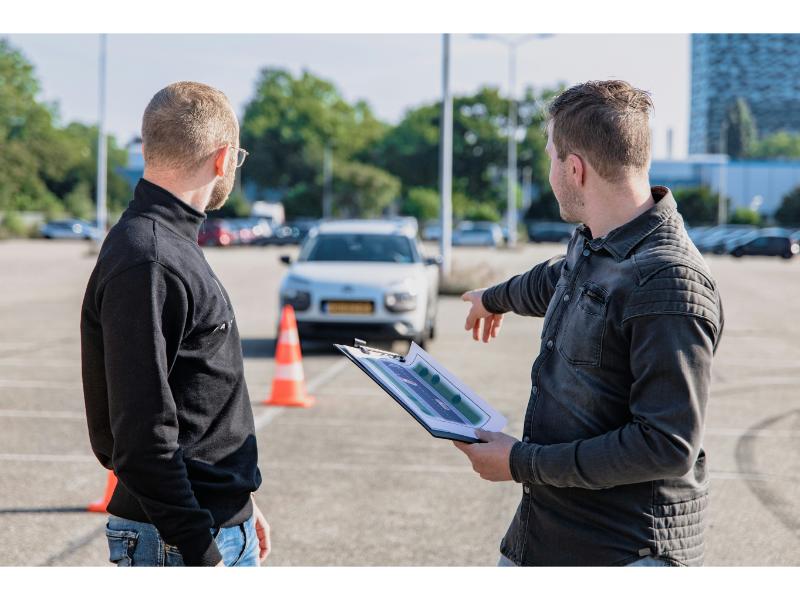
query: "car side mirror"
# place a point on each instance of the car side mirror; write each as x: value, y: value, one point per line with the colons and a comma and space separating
x: 433, y: 260
x: 286, y: 259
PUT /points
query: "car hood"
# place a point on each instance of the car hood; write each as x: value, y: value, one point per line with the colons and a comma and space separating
x: 378, y: 273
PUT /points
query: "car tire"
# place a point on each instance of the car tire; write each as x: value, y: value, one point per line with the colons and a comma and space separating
x: 787, y: 255
x: 738, y: 253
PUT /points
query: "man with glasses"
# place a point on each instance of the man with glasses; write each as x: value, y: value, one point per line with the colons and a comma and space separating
x: 166, y: 400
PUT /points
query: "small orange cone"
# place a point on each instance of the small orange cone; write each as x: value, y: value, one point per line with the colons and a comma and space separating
x: 288, y: 384
x: 100, y: 505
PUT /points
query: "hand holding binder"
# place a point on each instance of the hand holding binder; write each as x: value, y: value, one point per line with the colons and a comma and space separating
x: 436, y: 398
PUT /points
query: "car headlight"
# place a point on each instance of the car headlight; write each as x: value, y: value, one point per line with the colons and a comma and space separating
x: 298, y: 299
x: 401, y: 301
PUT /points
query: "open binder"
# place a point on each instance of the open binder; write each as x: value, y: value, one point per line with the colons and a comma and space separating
x: 445, y: 406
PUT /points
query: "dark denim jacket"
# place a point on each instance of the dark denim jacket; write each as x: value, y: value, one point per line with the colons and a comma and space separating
x: 612, y: 461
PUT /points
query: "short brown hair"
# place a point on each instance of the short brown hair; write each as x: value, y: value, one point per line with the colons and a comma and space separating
x: 607, y: 122
x: 184, y: 124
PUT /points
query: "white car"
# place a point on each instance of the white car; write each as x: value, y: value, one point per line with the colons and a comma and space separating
x: 365, y: 279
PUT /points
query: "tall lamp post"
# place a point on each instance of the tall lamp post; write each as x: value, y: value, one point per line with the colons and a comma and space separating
x: 446, y: 161
x: 512, y: 43
x: 102, y: 150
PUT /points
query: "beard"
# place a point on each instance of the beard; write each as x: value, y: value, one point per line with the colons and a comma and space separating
x: 570, y: 202
x: 222, y: 188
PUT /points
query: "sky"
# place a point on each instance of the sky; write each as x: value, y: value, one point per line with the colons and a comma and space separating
x: 392, y: 72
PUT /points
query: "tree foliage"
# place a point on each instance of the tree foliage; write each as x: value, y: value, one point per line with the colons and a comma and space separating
x: 697, y: 205
x: 480, y: 145
x: 738, y: 130
x: 745, y: 216
x: 789, y: 212
x: 47, y: 167
x: 781, y: 144
x: 286, y: 127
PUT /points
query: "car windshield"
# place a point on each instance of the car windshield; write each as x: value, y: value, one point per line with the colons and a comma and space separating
x: 359, y: 247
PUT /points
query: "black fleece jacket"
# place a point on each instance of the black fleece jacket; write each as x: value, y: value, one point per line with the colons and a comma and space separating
x: 166, y: 401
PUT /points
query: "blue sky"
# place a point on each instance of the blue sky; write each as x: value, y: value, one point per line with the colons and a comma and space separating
x: 393, y: 72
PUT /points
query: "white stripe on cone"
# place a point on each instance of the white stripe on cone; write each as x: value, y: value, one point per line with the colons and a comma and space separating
x: 292, y: 372
x: 289, y: 337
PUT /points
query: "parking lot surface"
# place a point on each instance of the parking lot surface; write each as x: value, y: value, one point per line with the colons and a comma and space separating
x: 353, y: 480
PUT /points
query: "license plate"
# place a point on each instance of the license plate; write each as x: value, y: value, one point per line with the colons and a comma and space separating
x: 350, y: 308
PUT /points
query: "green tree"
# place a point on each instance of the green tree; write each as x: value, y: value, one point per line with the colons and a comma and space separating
x: 12, y: 225
x: 26, y: 136
x: 745, y: 216
x: 43, y: 163
x: 545, y: 208
x: 286, y: 127
x: 78, y: 202
x: 480, y: 148
x: 789, y: 212
x: 422, y: 203
x: 781, y: 144
x: 738, y: 130
x: 361, y: 190
x: 698, y: 205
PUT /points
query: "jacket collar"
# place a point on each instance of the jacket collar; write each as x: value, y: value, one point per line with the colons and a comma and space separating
x: 620, y: 241
x: 156, y: 203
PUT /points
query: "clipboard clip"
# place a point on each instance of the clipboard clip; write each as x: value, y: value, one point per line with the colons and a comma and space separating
x: 362, y: 345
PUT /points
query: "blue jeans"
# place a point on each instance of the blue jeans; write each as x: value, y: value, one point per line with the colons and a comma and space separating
x: 647, y: 561
x: 136, y: 544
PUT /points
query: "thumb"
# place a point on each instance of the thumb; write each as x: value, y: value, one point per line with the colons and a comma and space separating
x: 486, y: 436
x: 467, y: 296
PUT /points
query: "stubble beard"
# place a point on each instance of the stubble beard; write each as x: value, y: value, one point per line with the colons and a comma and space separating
x: 222, y: 189
x: 570, y: 203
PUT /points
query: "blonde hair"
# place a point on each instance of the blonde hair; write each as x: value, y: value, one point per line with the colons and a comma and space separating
x: 185, y: 123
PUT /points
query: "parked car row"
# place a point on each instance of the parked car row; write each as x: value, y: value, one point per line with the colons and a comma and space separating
x: 487, y: 233
x: 253, y: 231
x: 744, y: 240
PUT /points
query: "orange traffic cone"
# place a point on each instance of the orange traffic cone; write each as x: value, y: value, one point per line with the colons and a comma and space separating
x: 288, y: 384
x: 100, y: 505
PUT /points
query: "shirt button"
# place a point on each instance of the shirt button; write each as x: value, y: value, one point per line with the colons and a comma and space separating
x: 535, y: 390
x: 566, y: 297
x: 549, y: 344
x: 526, y: 439
x: 526, y: 489
x: 586, y: 252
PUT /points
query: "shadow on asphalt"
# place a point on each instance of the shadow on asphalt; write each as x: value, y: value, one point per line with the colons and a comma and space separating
x: 43, y: 509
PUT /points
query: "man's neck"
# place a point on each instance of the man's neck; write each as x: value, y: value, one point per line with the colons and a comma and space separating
x: 189, y: 192
x: 608, y: 209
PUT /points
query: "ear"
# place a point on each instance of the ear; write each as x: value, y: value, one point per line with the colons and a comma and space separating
x: 576, y: 169
x: 221, y: 160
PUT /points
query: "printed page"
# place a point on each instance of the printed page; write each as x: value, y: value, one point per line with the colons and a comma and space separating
x: 432, y: 392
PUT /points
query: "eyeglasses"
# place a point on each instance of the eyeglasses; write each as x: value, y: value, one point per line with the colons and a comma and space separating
x: 241, y: 155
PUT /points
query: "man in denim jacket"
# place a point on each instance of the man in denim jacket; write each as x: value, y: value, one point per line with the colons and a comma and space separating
x: 611, y: 462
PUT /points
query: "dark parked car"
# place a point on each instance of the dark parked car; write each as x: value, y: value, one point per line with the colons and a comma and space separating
x: 217, y: 232
x: 550, y: 231
x: 785, y: 246
x: 291, y: 232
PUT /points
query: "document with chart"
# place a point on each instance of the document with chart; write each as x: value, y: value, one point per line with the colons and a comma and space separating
x: 436, y: 398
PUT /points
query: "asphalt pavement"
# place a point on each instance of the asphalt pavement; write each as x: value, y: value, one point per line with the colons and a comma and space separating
x: 353, y: 480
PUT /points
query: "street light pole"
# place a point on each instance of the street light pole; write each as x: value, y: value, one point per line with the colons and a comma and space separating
x: 446, y: 161
x: 102, y: 150
x: 512, y: 44
x: 512, y: 146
